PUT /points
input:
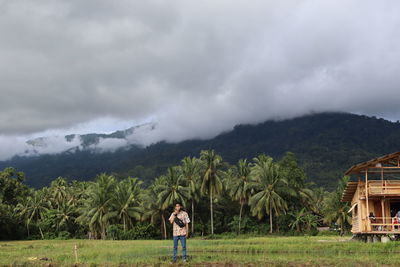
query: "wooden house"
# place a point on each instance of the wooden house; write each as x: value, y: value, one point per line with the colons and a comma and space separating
x: 375, y: 197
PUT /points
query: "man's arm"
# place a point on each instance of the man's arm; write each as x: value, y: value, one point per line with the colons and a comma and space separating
x: 187, y: 221
x: 171, y: 218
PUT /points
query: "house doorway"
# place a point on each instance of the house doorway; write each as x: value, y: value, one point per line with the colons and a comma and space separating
x: 394, y: 207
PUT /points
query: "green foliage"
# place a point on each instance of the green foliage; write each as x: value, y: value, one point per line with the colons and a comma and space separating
x: 211, y: 178
x: 139, y: 231
x: 238, y: 180
x: 326, y: 145
x: 335, y: 211
x: 251, y: 197
x: 269, y: 184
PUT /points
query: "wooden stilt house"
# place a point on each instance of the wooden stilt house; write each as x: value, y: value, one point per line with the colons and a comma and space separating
x: 375, y: 197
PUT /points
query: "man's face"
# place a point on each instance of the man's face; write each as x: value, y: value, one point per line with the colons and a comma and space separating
x: 177, y: 207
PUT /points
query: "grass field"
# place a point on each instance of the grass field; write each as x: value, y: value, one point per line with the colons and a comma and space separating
x: 261, y: 251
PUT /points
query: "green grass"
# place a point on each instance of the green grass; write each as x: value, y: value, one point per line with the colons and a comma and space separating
x: 267, y: 251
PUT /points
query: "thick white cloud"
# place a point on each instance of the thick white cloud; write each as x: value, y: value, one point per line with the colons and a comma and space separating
x: 195, y: 67
x: 109, y: 144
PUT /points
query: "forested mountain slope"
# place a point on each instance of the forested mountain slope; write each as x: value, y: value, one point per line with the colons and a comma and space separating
x: 326, y: 144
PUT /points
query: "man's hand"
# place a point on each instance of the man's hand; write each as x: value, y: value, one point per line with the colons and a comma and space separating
x: 187, y: 235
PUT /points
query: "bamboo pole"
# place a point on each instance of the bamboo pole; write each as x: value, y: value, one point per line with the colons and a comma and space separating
x: 383, y: 211
x: 383, y: 189
x: 76, y: 253
x: 366, y: 199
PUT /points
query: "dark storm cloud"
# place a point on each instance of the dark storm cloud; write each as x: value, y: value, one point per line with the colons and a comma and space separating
x: 195, y: 67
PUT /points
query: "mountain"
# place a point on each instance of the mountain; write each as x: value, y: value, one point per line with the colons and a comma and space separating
x: 92, y: 141
x: 326, y: 144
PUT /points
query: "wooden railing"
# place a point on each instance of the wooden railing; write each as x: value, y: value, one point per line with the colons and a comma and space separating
x: 384, y: 224
x: 384, y: 187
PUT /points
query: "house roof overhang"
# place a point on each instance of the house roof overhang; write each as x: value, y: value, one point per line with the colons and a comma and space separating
x: 390, y: 159
x: 349, y: 191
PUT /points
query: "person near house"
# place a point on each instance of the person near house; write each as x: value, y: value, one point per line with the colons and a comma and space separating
x: 180, y: 227
x: 372, y: 219
x: 398, y: 215
x: 396, y: 220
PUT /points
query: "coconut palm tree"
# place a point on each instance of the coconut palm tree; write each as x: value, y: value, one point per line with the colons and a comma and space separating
x: 152, y: 206
x: 190, y: 172
x: 126, y: 203
x: 238, y: 181
x: 58, y: 189
x: 298, y: 220
x: 269, y: 186
x: 96, y: 211
x: 211, y: 178
x: 317, y: 200
x: 64, y: 215
x: 172, y: 189
x: 34, y: 208
x: 336, y: 211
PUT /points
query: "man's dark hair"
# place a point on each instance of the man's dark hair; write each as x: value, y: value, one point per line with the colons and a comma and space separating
x: 178, y: 202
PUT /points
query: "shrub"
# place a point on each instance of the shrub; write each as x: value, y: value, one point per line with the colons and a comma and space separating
x: 139, y: 231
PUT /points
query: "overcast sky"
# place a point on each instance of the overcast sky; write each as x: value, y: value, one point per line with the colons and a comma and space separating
x: 196, y: 68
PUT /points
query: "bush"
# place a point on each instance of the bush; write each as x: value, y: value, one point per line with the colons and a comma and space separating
x: 139, y: 231
x: 64, y: 235
x: 248, y: 225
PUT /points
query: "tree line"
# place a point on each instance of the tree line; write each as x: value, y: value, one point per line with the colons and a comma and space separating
x: 259, y: 196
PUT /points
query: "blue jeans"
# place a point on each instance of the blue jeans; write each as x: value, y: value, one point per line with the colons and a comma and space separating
x: 182, y: 238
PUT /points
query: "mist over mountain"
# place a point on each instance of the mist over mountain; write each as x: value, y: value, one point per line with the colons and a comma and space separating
x: 326, y: 144
x: 94, y: 142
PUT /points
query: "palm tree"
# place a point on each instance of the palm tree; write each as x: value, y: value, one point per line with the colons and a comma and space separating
x: 298, y: 194
x: 298, y: 220
x: 58, y: 190
x: 64, y: 215
x: 126, y: 204
x: 317, y: 200
x: 211, y: 180
x: 190, y: 171
x: 238, y: 182
x: 96, y: 211
x: 33, y: 209
x: 152, y: 207
x: 78, y: 192
x: 334, y: 210
x: 172, y: 189
x: 269, y: 186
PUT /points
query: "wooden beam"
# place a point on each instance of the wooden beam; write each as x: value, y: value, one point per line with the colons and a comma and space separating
x: 383, y: 210
x: 366, y: 199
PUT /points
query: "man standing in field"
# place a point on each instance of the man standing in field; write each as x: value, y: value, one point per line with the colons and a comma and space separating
x: 180, y: 225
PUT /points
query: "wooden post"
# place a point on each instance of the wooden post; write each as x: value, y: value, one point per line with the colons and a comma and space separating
x: 383, y: 188
x: 366, y: 199
x: 383, y: 213
x: 76, y: 253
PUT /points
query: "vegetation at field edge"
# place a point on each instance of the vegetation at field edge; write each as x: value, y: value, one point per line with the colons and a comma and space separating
x: 258, y: 197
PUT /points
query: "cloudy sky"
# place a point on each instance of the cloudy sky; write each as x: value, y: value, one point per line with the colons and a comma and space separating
x: 195, y: 68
